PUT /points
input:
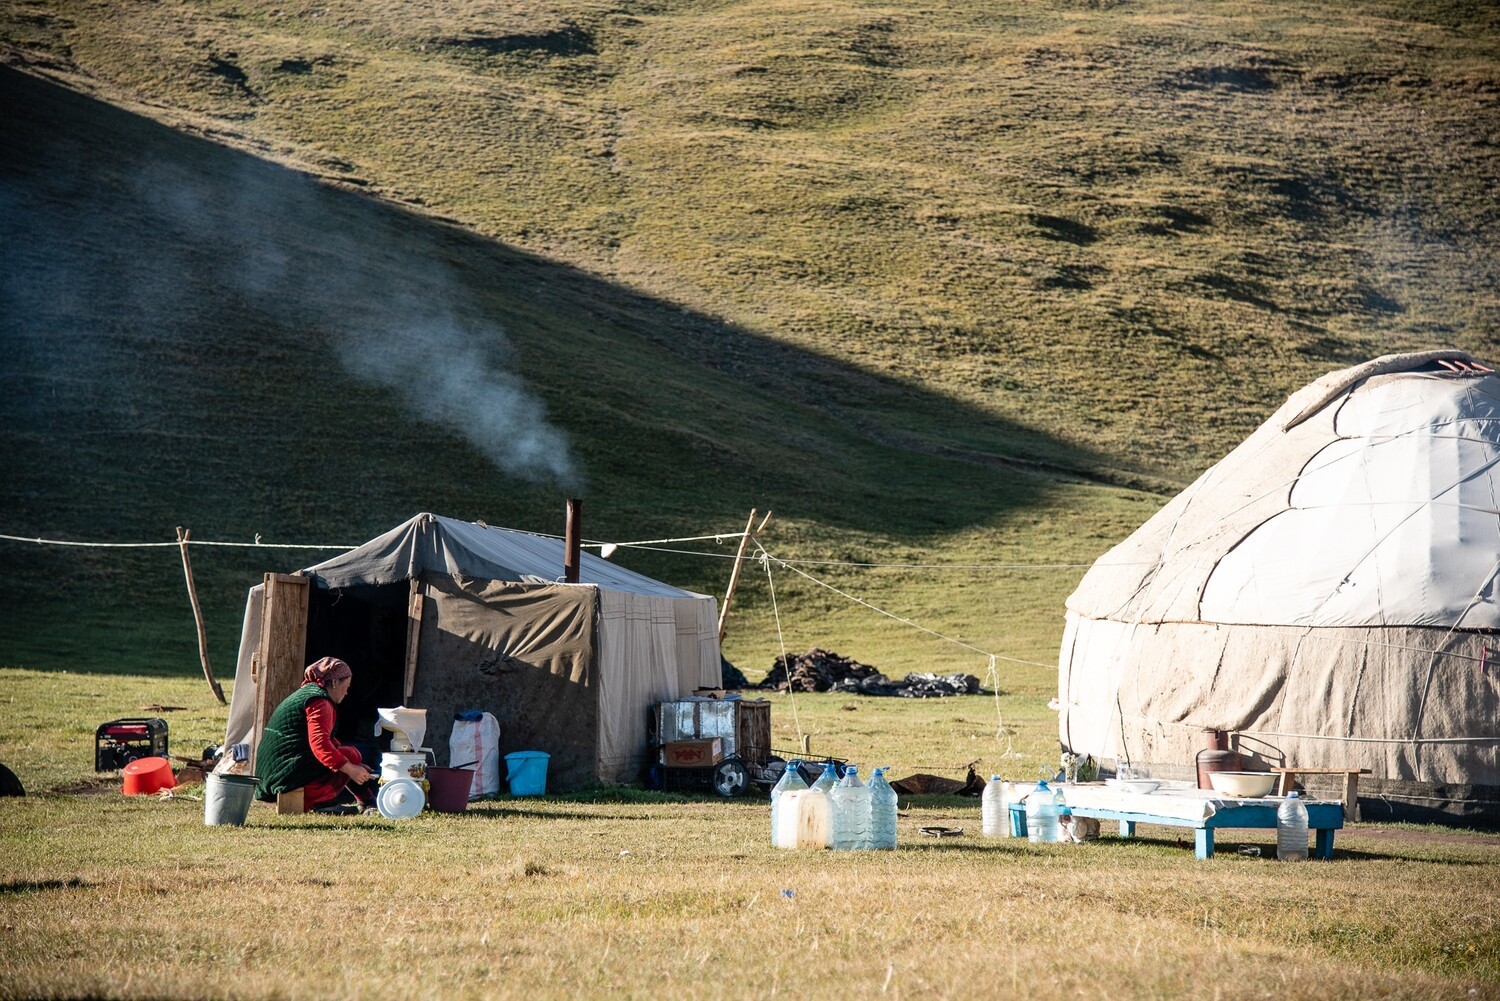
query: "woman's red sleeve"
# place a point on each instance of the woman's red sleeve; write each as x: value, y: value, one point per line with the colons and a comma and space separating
x: 320, y: 720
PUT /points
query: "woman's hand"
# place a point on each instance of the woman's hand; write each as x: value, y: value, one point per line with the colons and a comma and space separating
x: 358, y: 774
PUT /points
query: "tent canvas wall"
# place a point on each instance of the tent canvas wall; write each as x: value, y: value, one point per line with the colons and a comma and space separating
x: 1327, y: 591
x: 451, y: 616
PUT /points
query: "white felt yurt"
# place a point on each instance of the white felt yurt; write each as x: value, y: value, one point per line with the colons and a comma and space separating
x: 1329, y: 593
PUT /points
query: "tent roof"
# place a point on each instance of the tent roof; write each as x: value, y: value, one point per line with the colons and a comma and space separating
x: 1371, y: 498
x: 430, y: 543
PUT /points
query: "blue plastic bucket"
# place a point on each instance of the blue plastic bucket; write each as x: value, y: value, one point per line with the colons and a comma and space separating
x: 526, y: 771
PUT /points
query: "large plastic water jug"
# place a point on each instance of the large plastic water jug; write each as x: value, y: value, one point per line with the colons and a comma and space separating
x: 882, y: 811
x: 526, y: 771
x: 851, y: 812
x: 785, y: 833
x: 791, y: 780
x: 828, y: 779
x: 1291, y: 830
x: 994, y: 809
x: 803, y: 819
x: 1041, y: 816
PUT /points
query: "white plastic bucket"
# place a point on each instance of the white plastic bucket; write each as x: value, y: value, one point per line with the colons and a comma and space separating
x: 526, y: 771
x: 226, y: 799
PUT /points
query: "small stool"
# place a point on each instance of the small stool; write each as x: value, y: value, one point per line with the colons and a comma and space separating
x: 1350, y: 799
x: 289, y: 802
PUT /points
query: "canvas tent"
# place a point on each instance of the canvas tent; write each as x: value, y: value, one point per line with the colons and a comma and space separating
x: 452, y: 616
x: 1329, y: 592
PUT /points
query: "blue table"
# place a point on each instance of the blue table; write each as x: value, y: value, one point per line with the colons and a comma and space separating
x: 1323, y: 818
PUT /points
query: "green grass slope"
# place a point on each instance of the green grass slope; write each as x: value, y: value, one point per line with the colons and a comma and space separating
x: 939, y: 284
x: 190, y: 342
x: 1128, y: 224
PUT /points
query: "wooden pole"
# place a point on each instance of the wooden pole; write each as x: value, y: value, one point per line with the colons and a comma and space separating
x: 187, y: 570
x: 751, y: 531
x: 416, y: 600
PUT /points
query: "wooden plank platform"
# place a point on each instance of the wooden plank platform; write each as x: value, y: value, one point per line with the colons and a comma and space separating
x: 1350, y: 799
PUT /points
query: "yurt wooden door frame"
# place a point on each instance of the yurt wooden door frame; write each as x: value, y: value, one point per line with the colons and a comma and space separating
x: 282, y: 657
x: 277, y: 668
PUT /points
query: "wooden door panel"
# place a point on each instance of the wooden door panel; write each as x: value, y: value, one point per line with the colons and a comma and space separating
x: 283, y: 644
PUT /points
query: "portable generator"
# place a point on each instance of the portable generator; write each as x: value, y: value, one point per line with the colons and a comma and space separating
x: 121, y: 741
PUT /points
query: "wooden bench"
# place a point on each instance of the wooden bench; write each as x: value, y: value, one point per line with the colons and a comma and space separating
x: 1323, y: 819
x: 1350, y: 799
x: 289, y: 802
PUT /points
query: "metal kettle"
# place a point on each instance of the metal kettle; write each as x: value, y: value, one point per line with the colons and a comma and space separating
x: 1216, y: 757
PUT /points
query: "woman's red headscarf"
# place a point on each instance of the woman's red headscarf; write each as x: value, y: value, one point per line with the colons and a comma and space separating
x: 326, y: 671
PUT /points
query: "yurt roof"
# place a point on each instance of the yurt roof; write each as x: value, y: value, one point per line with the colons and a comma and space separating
x: 430, y: 543
x: 1371, y: 497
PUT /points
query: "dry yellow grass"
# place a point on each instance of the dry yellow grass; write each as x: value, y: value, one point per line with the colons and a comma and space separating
x: 624, y: 893
x: 570, y: 898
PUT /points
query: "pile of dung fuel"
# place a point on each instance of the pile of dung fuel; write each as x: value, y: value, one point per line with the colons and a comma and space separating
x: 821, y: 670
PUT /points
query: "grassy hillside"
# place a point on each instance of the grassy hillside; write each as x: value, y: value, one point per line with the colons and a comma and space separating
x: 1105, y: 220
x: 938, y: 284
x: 189, y: 333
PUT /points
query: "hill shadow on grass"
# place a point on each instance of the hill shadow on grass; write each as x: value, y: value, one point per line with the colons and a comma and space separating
x: 197, y: 336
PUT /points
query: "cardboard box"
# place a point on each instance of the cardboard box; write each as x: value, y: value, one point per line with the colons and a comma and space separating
x: 692, y: 753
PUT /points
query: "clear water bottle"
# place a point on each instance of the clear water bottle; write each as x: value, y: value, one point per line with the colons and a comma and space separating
x: 791, y: 779
x: 851, y: 812
x: 994, y: 809
x: 1291, y: 829
x: 1059, y: 811
x: 882, y: 811
x: 823, y: 786
x: 1041, y: 816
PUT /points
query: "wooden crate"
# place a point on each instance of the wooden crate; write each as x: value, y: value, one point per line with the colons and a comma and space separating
x: 752, y: 731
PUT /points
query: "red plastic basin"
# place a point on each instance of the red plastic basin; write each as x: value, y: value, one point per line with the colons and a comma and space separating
x: 144, y: 776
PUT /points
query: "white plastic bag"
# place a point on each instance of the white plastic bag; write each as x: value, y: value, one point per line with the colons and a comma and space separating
x: 475, y: 743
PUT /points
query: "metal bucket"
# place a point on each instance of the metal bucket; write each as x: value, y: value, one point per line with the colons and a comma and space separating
x: 226, y: 799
